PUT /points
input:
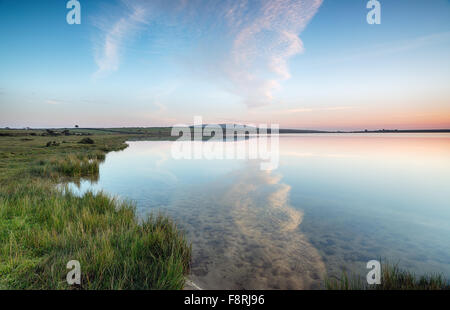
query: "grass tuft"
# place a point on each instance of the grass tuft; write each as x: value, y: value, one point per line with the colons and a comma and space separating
x: 69, y: 166
x: 392, y: 278
x: 43, y: 228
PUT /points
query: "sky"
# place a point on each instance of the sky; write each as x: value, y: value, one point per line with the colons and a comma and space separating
x: 301, y: 64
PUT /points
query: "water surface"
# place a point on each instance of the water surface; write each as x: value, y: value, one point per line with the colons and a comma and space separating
x: 335, y: 202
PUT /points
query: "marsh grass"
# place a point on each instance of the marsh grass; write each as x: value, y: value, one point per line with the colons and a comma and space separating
x: 97, y: 155
x: 43, y: 228
x: 69, y: 166
x: 392, y: 278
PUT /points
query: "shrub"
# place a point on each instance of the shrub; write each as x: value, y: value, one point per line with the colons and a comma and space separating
x: 86, y: 141
x: 52, y: 143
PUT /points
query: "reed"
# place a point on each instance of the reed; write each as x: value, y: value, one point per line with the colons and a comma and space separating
x: 42, y: 228
x: 392, y: 278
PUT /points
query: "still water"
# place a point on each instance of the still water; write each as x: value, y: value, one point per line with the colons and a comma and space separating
x: 334, y: 203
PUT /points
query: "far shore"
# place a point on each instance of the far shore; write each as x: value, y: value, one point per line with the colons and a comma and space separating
x: 166, y: 131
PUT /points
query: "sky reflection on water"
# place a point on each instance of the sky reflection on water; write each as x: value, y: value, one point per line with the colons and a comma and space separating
x: 335, y: 202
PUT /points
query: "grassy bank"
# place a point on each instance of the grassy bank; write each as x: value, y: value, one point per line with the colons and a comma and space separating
x: 43, y: 227
x: 392, y: 278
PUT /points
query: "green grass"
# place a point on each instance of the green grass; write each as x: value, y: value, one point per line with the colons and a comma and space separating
x: 43, y: 226
x: 23, y: 151
x: 392, y: 278
x: 70, y: 166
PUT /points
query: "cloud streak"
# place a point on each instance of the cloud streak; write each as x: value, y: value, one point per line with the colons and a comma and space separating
x: 108, y: 53
x: 301, y: 110
x: 264, y: 44
x: 247, y: 43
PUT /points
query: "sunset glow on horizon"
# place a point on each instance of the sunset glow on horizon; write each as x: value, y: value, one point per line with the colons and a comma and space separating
x: 304, y: 64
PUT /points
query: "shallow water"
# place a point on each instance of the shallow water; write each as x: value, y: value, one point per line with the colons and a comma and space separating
x: 335, y: 202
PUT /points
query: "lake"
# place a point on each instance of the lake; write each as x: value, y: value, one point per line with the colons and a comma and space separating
x: 335, y: 202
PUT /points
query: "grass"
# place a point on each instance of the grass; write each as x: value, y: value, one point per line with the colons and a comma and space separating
x: 392, y: 278
x: 43, y: 226
x: 70, y: 166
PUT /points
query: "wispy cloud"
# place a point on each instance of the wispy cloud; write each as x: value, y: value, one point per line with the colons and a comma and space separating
x: 107, y: 54
x: 264, y: 43
x: 384, y: 49
x: 248, y: 43
x: 300, y: 110
x: 55, y: 102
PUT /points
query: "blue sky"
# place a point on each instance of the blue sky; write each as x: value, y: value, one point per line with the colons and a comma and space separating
x: 301, y: 64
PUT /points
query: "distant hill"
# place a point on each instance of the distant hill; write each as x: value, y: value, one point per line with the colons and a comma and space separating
x: 243, y: 127
x: 166, y: 131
